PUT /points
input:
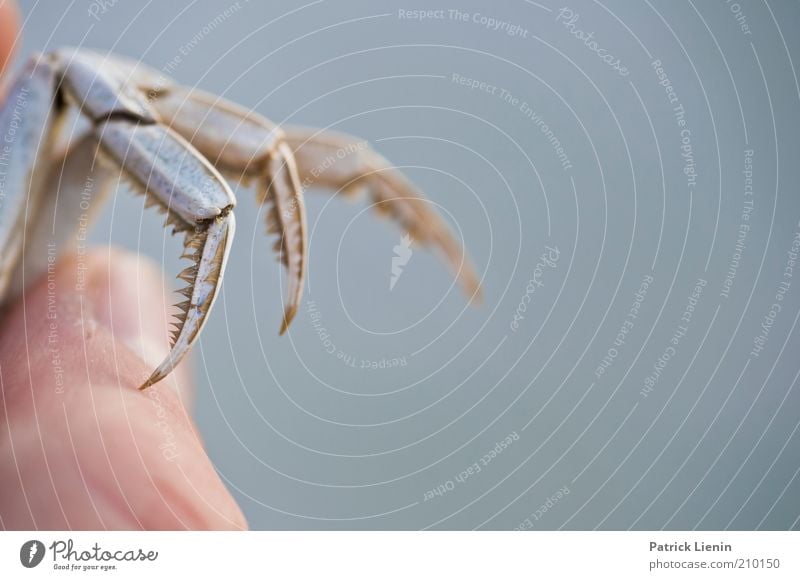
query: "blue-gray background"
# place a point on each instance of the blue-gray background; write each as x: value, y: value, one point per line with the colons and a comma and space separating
x: 304, y: 440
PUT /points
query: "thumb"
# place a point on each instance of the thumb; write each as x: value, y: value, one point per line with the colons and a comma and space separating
x: 85, y: 448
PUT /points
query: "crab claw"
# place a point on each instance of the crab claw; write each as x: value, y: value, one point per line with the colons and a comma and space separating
x: 181, y: 182
x: 208, y: 247
x: 247, y: 146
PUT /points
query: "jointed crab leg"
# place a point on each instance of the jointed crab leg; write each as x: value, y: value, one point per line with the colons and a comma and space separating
x: 164, y: 138
x: 357, y: 167
x: 244, y: 142
x: 199, y: 202
x: 27, y: 128
x: 167, y: 168
x: 247, y: 145
x: 240, y: 141
x: 82, y: 182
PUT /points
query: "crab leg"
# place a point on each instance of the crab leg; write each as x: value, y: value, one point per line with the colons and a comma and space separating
x: 27, y: 135
x: 248, y: 145
x: 209, y: 249
x: 345, y: 163
x: 76, y: 186
x: 198, y: 202
x: 171, y: 173
x: 243, y: 142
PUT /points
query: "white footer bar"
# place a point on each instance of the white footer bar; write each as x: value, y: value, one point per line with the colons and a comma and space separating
x: 400, y: 555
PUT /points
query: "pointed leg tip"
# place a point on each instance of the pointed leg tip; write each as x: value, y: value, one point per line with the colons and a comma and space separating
x: 288, y: 316
x: 472, y: 287
x: 152, y: 380
x: 477, y: 299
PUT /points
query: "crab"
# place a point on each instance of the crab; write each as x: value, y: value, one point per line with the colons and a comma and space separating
x: 174, y: 144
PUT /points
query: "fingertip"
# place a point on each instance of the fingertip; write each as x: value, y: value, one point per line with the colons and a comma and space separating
x: 9, y: 30
x: 118, y: 458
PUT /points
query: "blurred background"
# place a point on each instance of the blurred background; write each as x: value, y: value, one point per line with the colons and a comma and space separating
x: 623, y: 176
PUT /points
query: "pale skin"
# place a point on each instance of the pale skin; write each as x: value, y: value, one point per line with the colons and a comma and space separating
x: 102, y: 455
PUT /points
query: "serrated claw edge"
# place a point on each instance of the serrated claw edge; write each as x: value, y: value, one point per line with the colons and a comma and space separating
x: 204, y: 276
x: 286, y: 217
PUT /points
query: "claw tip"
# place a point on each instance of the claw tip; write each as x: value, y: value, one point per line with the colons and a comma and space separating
x: 288, y: 316
x: 477, y: 297
x: 152, y: 380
